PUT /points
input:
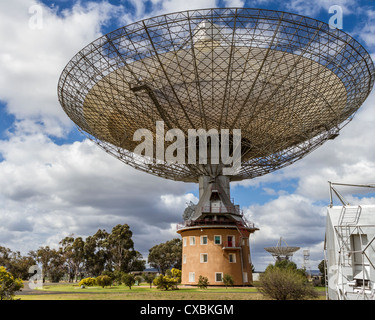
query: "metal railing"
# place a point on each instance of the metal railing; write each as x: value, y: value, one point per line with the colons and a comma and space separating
x: 221, y: 209
x: 231, y: 244
x: 203, y: 222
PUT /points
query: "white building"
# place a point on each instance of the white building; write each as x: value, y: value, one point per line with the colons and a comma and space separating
x: 350, y: 252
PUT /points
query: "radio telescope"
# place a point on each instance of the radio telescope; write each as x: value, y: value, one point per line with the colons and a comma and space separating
x: 288, y: 82
x: 282, y: 253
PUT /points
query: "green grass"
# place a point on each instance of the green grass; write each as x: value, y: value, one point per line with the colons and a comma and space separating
x: 141, y: 288
x: 68, y: 291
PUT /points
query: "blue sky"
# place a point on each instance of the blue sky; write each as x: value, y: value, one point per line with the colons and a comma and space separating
x: 53, y: 182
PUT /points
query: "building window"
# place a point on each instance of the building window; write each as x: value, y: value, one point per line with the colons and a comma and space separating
x: 204, y: 257
x: 204, y: 240
x: 191, y: 276
x: 192, y: 241
x: 184, y: 258
x: 218, y: 277
x: 185, y: 241
x: 217, y: 239
x: 232, y: 258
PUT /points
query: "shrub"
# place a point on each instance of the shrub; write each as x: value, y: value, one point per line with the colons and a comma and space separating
x: 117, y: 277
x: 138, y: 280
x: 149, y: 278
x: 128, y: 280
x: 228, y: 280
x: 87, y: 282
x: 202, y: 282
x: 176, y: 273
x: 285, y: 284
x: 8, y: 285
x: 165, y: 282
x: 109, y: 274
x: 104, y: 281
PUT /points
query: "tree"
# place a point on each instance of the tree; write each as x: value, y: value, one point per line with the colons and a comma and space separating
x: 43, y: 256
x: 20, y: 266
x: 321, y: 268
x: 202, y: 282
x: 120, y: 247
x: 149, y: 278
x: 121, y: 253
x: 137, y: 263
x: 15, y: 263
x: 73, y: 250
x: 104, y: 281
x: 8, y: 284
x: 228, y: 280
x: 56, y: 266
x: 116, y: 276
x: 285, y: 282
x: 5, y: 257
x: 166, y: 255
x: 128, y: 279
x: 95, y: 253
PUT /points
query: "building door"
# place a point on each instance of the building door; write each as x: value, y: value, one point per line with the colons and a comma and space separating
x: 230, y: 241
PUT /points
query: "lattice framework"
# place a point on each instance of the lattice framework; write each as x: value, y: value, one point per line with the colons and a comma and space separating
x: 288, y: 82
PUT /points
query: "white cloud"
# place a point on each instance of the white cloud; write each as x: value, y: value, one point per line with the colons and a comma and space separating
x: 31, y: 60
x: 366, y: 29
x: 234, y: 3
x: 293, y: 217
x: 312, y: 7
x: 179, y: 5
x: 51, y: 191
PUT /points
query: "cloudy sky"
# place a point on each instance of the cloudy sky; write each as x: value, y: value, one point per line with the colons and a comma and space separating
x: 54, y: 182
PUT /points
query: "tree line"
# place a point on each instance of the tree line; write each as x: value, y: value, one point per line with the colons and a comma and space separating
x: 102, y: 252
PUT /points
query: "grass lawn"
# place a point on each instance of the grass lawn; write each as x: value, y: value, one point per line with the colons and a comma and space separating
x: 68, y: 291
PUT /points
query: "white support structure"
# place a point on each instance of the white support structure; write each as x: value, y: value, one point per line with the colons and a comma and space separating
x: 306, y: 261
x: 349, y: 249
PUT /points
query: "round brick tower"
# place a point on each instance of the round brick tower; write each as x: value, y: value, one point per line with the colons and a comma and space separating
x: 215, y: 237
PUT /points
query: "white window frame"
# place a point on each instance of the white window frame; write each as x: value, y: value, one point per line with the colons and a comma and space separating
x: 202, y: 259
x: 201, y: 237
x: 218, y: 235
x: 184, y: 258
x: 192, y: 241
x: 185, y: 241
x: 191, y: 276
x: 216, y: 273
x: 234, y: 257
